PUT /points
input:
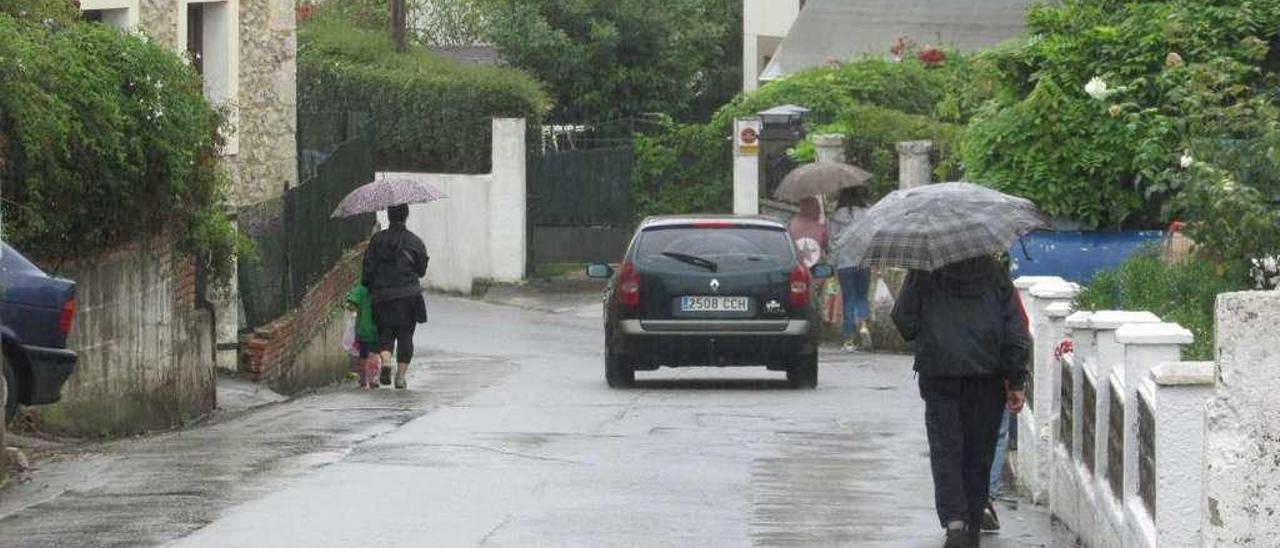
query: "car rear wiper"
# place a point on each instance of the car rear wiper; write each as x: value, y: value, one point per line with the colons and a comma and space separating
x: 693, y: 260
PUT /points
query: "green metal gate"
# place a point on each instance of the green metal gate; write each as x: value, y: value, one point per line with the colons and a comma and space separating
x: 579, y: 204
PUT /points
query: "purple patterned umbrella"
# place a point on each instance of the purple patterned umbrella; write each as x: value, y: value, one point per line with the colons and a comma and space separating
x: 389, y: 189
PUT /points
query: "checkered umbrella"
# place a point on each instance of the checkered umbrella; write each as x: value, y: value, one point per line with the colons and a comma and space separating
x: 928, y: 227
x: 387, y: 190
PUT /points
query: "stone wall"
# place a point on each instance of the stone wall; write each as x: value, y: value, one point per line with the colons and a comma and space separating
x: 159, y: 21
x: 264, y: 162
x: 267, y: 158
x: 1242, y: 427
x: 303, y: 348
x: 146, y: 350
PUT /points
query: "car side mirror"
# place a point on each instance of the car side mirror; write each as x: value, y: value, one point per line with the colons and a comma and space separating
x: 599, y: 271
x: 822, y: 271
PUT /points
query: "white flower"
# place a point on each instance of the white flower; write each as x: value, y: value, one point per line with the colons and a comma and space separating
x: 1186, y: 159
x: 1097, y: 89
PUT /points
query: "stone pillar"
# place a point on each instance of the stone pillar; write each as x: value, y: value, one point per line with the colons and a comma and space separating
x: 746, y: 168
x: 1177, y: 393
x: 829, y: 147
x: 1242, y: 429
x: 1145, y: 347
x: 914, y: 168
x: 508, y: 238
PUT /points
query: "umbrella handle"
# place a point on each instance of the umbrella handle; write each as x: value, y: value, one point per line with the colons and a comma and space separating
x: 1023, y: 242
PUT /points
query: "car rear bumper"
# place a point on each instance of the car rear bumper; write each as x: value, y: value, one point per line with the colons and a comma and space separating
x: 50, y: 368
x: 675, y: 343
x: 738, y: 328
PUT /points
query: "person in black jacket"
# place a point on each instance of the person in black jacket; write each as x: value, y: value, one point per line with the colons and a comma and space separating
x: 394, y: 263
x: 972, y: 349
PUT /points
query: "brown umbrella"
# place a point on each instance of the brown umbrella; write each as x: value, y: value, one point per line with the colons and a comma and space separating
x: 819, y: 178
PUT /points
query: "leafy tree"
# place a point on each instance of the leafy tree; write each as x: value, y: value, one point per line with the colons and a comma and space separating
x: 604, y: 58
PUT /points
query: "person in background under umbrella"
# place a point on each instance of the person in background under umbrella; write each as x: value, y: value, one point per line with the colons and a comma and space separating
x: 855, y: 282
x: 972, y: 349
x: 394, y: 263
x: 808, y: 232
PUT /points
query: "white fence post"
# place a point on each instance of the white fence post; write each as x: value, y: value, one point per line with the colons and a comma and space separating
x: 1103, y: 520
x: 1065, y: 496
x: 1145, y: 347
x: 1035, y: 457
x: 1175, y: 397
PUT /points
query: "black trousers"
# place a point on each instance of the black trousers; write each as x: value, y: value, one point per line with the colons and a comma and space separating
x: 962, y: 416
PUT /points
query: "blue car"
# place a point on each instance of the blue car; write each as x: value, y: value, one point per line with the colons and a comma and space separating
x: 36, y: 311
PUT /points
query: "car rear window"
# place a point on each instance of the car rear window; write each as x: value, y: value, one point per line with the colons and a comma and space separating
x: 728, y: 248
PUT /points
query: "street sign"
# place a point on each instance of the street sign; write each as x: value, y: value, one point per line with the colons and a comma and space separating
x: 746, y: 138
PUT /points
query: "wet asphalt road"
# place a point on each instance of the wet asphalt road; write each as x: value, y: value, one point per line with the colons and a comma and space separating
x: 509, y: 437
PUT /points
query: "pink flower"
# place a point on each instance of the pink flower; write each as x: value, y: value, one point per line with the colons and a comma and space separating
x: 1065, y: 347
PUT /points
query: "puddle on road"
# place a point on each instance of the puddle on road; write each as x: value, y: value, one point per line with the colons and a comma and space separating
x: 812, y: 493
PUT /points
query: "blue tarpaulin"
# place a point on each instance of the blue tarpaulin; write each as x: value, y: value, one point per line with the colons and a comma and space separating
x: 1076, y: 256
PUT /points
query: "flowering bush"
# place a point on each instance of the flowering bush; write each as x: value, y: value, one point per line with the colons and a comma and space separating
x: 1099, y: 110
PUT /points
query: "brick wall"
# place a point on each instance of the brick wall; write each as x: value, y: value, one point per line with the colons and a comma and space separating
x: 274, y: 352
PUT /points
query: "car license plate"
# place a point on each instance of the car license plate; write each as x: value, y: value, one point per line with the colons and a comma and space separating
x: 715, y: 304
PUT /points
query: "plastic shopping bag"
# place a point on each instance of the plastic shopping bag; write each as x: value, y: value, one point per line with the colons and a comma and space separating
x: 882, y: 302
x: 349, y: 343
x: 832, y: 302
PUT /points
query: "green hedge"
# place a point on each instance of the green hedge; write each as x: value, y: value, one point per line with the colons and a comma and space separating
x: 1184, y: 293
x: 875, y: 103
x: 430, y: 114
x: 105, y: 138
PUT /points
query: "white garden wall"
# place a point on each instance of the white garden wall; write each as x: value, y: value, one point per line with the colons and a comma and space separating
x: 479, y: 232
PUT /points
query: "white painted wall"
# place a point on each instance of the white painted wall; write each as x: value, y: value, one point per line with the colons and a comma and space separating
x: 479, y: 231
x: 507, y: 196
x: 767, y: 19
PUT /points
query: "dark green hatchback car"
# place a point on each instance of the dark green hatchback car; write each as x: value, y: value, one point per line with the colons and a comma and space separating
x: 710, y: 291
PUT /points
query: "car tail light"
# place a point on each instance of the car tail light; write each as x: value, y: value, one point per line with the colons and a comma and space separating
x: 629, y: 285
x: 799, y: 295
x: 68, y: 313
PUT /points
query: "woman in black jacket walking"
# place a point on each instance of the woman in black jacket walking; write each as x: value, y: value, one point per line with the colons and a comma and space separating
x: 394, y: 263
x: 972, y: 349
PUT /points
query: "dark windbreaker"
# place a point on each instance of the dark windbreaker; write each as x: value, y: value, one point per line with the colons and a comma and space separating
x: 966, y: 320
x: 394, y: 263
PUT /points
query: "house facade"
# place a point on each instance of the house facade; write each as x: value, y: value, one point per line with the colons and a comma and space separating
x: 246, y: 53
x: 828, y: 31
x: 765, y: 23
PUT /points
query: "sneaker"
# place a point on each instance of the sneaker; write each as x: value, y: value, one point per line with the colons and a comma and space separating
x: 384, y: 377
x: 990, y: 521
x: 957, y: 538
x: 848, y: 347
